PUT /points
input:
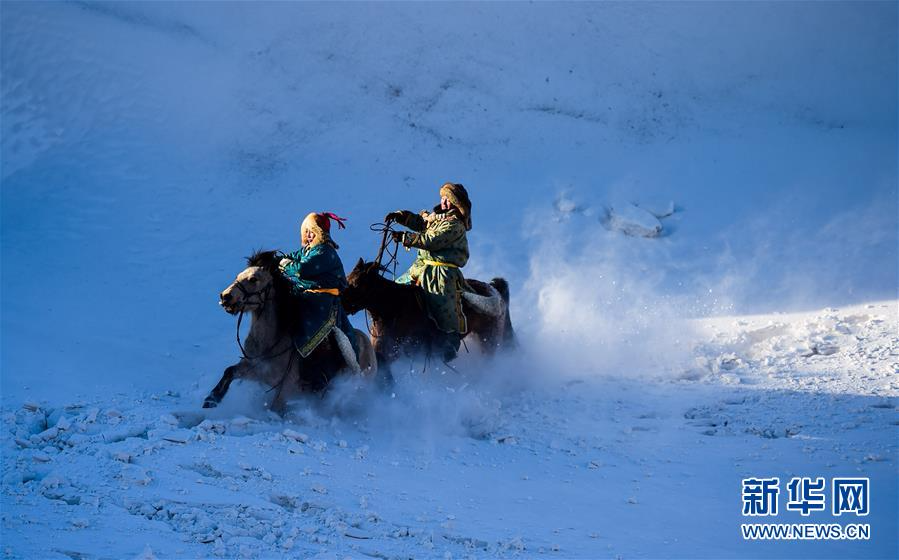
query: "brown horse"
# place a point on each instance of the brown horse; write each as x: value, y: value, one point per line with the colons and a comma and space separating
x: 269, y: 353
x: 401, y: 326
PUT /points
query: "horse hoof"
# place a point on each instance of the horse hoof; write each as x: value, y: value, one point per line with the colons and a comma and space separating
x: 210, y: 403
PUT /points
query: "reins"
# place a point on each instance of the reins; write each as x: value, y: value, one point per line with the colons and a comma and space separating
x: 264, y: 355
x: 280, y: 385
x: 385, y: 229
x: 263, y: 297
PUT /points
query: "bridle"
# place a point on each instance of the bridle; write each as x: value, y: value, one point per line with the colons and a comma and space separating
x: 262, y: 295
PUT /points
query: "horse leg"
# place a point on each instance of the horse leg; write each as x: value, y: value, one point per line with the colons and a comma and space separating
x: 508, y: 341
x: 366, y: 358
x: 387, y: 350
x: 292, y: 374
x: 489, y: 336
x: 492, y: 333
x: 279, y: 403
x: 384, y: 376
x: 218, y: 392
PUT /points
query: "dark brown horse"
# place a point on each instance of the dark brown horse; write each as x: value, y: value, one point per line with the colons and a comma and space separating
x: 269, y: 353
x: 401, y: 326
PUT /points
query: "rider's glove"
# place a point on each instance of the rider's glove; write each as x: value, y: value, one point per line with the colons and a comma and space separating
x: 400, y: 216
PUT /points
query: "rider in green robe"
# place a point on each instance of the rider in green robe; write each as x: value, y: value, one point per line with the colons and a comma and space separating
x: 317, y: 275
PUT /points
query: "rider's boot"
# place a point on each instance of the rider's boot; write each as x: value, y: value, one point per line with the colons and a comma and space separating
x: 449, y: 345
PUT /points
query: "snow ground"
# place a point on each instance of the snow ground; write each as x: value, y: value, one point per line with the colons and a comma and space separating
x: 486, y: 464
x: 147, y: 147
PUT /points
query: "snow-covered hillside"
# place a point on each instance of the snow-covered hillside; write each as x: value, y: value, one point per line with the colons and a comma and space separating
x: 147, y: 147
x: 570, y: 466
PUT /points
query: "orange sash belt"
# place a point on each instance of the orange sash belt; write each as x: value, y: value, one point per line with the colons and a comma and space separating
x: 332, y: 291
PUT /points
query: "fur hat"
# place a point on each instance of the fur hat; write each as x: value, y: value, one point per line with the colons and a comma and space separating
x: 319, y: 223
x: 458, y: 196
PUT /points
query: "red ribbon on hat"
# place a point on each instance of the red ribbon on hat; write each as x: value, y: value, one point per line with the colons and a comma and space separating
x: 336, y: 218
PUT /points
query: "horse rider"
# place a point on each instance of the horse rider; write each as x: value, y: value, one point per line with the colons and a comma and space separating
x: 440, y: 237
x: 317, y: 276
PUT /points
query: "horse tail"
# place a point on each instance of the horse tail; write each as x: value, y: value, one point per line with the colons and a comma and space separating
x: 502, y: 286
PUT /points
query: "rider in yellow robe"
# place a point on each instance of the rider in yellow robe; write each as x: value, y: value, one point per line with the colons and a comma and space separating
x: 440, y: 237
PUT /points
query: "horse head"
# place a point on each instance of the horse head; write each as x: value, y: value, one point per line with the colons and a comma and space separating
x: 361, y: 281
x: 254, y: 286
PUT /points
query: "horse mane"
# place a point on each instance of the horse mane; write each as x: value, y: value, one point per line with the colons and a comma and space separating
x: 287, y: 304
x: 267, y: 259
x: 393, y: 296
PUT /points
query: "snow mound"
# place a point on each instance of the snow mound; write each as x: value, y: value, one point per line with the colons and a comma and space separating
x: 631, y: 220
x: 808, y: 349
